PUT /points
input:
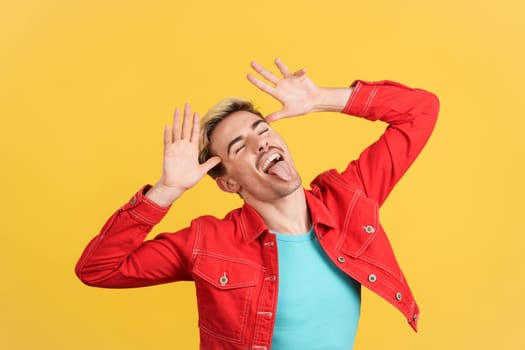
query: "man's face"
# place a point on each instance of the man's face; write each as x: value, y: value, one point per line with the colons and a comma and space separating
x: 257, y: 161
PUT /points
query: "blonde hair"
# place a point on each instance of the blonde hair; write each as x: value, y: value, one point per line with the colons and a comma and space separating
x: 210, y: 121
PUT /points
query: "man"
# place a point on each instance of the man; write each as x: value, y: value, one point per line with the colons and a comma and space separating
x: 285, y: 270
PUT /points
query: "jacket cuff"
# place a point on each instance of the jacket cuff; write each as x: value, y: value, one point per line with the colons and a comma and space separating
x: 144, y: 209
x: 363, y: 96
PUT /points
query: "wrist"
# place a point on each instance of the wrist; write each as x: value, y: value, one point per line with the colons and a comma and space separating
x: 332, y: 99
x: 162, y: 195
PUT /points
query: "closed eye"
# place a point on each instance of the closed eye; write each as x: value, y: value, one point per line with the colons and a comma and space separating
x: 264, y: 131
x: 239, y: 149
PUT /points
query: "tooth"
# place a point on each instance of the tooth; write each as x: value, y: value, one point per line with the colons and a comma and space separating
x: 271, y: 158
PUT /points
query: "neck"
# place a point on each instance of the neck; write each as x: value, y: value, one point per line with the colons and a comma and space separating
x: 288, y: 214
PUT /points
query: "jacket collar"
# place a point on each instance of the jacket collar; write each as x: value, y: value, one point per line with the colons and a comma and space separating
x: 252, y: 224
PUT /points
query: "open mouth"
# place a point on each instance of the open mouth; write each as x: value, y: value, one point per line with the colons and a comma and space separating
x: 270, y: 162
x: 276, y: 165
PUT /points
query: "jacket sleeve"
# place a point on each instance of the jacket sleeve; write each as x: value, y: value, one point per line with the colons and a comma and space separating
x: 411, y: 115
x: 118, y: 257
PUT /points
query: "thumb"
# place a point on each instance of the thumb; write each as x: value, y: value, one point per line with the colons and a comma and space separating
x: 300, y: 72
x: 210, y: 163
x: 276, y: 116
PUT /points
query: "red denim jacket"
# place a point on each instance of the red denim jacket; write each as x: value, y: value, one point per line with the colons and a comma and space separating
x: 233, y: 260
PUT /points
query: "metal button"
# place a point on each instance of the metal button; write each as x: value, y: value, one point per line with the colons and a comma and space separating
x: 415, y: 317
x: 399, y: 296
x: 223, y: 280
x: 133, y: 200
x: 341, y: 259
x: 372, y: 278
x: 265, y: 313
x: 369, y: 229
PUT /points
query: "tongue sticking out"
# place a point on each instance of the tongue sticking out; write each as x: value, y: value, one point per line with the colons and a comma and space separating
x: 282, y: 170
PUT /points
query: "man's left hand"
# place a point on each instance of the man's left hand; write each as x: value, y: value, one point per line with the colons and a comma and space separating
x: 296, y: 92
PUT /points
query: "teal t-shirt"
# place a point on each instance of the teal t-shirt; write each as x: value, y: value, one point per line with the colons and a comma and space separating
x: 318, y: 305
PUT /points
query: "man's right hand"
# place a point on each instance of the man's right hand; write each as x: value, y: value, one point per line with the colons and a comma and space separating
x: 181, y: 169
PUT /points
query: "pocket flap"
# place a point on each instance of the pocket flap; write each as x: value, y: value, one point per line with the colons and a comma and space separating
x: 225, y: 272
x: 361, y: 227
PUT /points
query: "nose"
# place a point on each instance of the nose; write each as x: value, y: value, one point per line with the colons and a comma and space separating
x: 262, y: 146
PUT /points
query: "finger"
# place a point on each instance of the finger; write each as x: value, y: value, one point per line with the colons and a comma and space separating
x: 272, y: 78
x: 176, y: 126
x: 196, y: 128
x: 282, y: 68
x: 300, y: 72
x: 186, y: 122
x: 210, y: 163
x: 260, y: 84
x: 272, y: 117
x: 167, y: 136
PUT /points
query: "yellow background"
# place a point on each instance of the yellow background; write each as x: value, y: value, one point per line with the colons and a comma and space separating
x: 87, y: 86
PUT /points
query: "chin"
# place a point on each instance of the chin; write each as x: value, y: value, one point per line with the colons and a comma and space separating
x: 268, y: 191
x: 289, y: 187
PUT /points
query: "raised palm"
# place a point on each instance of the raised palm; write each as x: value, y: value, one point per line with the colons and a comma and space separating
x: 296, y: 92
x: 181, y: 169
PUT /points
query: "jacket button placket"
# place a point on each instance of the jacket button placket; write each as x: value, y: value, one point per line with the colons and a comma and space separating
x: 268, y: 297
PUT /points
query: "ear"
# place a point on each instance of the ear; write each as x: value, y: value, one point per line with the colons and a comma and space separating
x: 227, y: 184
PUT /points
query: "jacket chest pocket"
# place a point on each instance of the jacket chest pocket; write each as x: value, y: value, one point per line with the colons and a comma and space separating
x: 225, y: 288
x: 361, y: 227
x: 365, y: 240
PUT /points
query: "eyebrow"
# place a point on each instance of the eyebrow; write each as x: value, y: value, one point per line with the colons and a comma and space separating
x: 239, y: 138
